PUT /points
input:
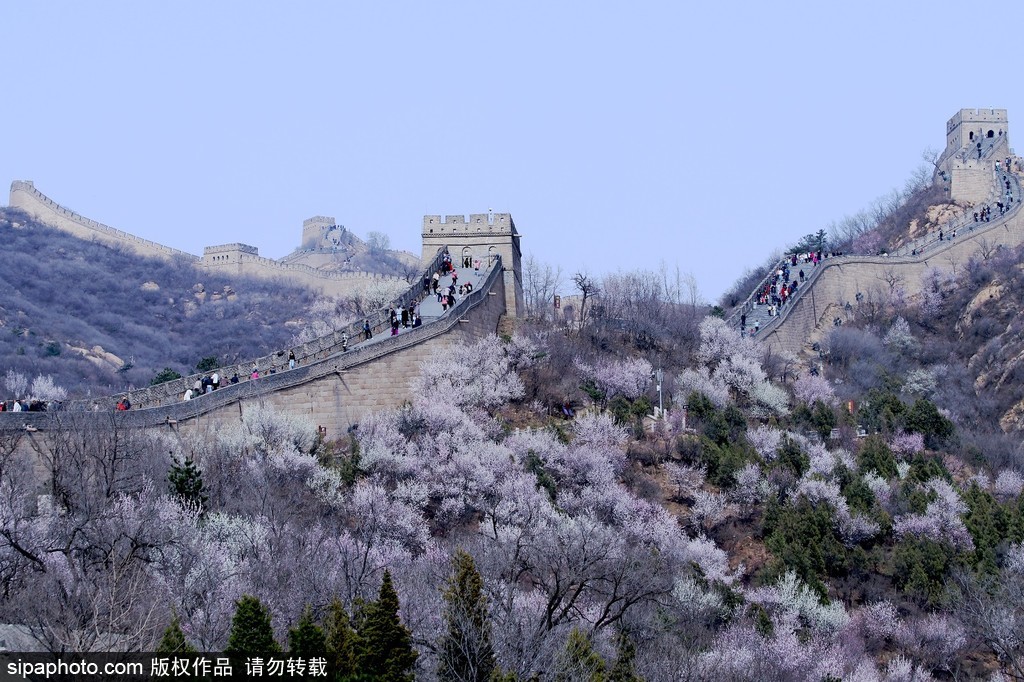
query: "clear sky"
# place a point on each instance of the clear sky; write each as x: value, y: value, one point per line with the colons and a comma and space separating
x: 618, y: 135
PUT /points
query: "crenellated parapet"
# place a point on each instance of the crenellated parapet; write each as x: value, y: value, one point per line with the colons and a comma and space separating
x: 977, y: 145
x: 235, y: 258
x: 483, y: 237
x: 26, y: 197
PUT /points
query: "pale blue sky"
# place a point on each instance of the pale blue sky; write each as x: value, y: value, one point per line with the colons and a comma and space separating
x: 618, y: 135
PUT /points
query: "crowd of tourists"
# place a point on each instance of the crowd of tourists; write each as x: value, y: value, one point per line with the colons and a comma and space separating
x: 29, y: 405
x: 781, y: 285
x: 399, y: 318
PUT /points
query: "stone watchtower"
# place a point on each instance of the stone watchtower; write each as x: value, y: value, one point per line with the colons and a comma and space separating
x: 483, y: 236
x: 228, y: 257
x: 976, y: 140
x: 314, y: 231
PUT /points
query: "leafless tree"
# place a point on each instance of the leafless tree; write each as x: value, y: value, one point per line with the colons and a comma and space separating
x: 541, y: 282
x: 986, y: 248
x: 588, y: 288
x: 993, y: 611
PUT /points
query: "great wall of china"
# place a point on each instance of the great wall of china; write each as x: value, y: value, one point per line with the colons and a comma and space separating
x: 973, y: 166
x: 333, y: 387
x: 235, y: 258
x: 336, y: 389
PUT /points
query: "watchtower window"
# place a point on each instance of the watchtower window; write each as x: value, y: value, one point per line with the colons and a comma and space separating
x: 991, y: 133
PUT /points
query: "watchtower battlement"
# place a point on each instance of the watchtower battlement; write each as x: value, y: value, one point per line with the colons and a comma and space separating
x: 482, y: 237
x: 977, y: 144
x: 315, y: 229
x: 971, y: 126
x: 457, y: 224
x: 225, y: 254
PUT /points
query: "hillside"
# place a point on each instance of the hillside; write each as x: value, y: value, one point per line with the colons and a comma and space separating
x: 856, y: 514
x: 100, y: 319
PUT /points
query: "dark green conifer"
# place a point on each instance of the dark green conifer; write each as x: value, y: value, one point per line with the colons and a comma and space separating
x: 384, y: 646
x: 623, y: 670
x: 579, y: 661
x: 307, y: 638
x: 466, y: 652
x: 186, y: 484
x: 340, y: 640
x: 251, y: 632
x: 173, y: 640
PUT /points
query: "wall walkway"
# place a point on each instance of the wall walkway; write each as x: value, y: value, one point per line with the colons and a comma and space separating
x: 847, y: 280
x: 333, y: 388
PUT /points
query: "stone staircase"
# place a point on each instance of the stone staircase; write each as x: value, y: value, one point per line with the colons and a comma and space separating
x: 755, y: 313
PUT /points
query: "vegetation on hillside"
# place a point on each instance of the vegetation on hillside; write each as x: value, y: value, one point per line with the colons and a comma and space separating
x: 855, y: 514
x: 98, y: 319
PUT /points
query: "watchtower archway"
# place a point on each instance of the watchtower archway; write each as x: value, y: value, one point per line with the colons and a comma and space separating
x: 490, y: 234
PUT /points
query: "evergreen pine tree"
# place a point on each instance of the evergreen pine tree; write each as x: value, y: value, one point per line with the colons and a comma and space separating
x: 623, y: 670
x: 579, y: 662
x: 340, y: 640
x: 251, y: 632
x: 466, y: 652
x: 384, y: 647
x: 173, y: 640
x: 307, y: 638
x: 186, y: 484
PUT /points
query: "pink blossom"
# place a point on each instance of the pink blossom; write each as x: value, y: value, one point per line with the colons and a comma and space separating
x: 765, y: 440
x: 1008, y: 484
x: 907, y: 444
x: 941, y: 521
x: 810, y: 388
x: 628, y: 378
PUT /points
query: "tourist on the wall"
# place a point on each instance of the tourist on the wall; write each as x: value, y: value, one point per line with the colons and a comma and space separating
x: 291, y: 359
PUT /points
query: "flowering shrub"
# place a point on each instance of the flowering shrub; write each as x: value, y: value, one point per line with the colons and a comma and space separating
x: 941, y: 521
x: 766, y: 441
x: 810, y: 388
x: 481, y: 374
x: 906, y: 444
x: 790, y: 596
x: 709, y: 509
x: 1008, y: 485
x: 628, y: 378
x: 900, y: 338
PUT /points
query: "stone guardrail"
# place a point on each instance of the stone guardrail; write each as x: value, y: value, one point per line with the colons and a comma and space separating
x: 933, y: 248
x: 231, y: 393
x: 916, y: 251
x: 30, y: 189
x: 314, y: 272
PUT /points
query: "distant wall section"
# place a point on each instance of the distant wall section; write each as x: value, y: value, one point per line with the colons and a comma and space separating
x: 25, y: 196
x: 232, y: 259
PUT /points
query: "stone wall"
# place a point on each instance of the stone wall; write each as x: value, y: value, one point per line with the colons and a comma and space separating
x: 234, y: 259
x: 483, y: 235
x: 841, y: 279
x: 26, y: 197
x: 338, y: 400
x: 332, y: 388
